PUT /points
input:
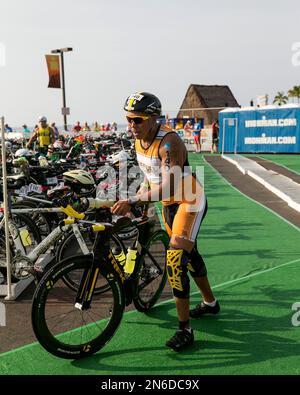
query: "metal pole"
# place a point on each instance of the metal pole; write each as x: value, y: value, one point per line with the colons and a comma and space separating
x: 6, y: 212
x: 63, y: 89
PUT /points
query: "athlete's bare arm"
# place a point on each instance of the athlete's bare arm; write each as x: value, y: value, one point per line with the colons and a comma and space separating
x: 144, y: 187
x: 173, y: 153
x: 32, y: 139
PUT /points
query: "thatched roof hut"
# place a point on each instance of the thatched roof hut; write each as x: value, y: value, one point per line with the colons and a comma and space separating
x: 206, y: 96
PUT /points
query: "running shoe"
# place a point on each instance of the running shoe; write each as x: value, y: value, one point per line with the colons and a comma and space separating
x: 204, y: 309
x: 181, y: 339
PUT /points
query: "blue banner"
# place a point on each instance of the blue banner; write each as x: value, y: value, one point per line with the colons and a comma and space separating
x: 260, y: 130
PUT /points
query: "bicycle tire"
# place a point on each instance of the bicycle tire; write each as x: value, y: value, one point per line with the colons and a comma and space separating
x: 34, y: 234
x: 69, y: 243
x: 152, y: 276
x: 41, y: 220
x: 46, y: 302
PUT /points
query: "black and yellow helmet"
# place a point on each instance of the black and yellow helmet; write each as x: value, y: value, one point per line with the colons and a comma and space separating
x: 143, y: 103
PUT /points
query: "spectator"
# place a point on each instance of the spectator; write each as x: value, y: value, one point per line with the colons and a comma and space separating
x: 169, y: 124
x: 86, y: 127
x: 96, y: 127
x: 107, y: 127
x: 187, y: 130
x: 197, y: 135
x: 55, y: 130
x: 77, y: 127
x: 114, y: 127
x: 25, y: 129
x: 188, y: 127
x: 215, y: 136
x: 7, y: 128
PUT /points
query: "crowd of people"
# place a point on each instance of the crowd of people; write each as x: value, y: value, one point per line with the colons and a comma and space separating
x: 46, y: 134
x: 195, y: 130
x: 192, y: 128
x: 95, y: 128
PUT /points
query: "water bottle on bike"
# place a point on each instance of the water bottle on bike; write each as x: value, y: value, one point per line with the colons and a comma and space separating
x: 119, y: 255
x: 131, y: 258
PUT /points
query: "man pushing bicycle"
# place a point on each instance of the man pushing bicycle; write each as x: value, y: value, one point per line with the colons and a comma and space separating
x: 162, y: 156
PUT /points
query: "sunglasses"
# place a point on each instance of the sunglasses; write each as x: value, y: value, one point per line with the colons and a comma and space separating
x: 137, y: 120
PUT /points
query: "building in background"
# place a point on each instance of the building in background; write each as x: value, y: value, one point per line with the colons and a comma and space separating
x: 206, y: 96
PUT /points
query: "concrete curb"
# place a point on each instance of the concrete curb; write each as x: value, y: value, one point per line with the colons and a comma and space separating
x: 282, y: 186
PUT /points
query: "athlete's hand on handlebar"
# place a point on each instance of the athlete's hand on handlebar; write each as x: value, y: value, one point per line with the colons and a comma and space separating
x: 122, y: 207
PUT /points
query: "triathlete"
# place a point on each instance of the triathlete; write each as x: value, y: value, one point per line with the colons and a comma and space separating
x: 160, y: 154
x: 44, y: 134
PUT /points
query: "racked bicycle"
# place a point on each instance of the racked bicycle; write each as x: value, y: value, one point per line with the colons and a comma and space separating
x: 74, y: 323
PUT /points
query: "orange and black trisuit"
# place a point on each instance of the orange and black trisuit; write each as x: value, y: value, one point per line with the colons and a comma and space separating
x: 183, y: 212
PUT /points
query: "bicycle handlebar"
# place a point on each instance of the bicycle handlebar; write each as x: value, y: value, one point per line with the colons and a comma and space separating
x: 69, y: 210
x: 98, y: 203
x: 91, y: 203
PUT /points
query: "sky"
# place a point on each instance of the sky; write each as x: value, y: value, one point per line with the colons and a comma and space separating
x: 157, y: 46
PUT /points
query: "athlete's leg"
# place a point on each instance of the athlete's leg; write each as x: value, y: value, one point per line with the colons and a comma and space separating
x: 177, y: 270
x: 181, y: 247
x: 188, y: 223
x: 201, y: 280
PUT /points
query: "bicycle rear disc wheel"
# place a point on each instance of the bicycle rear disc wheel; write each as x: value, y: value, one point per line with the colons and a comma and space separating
x: 64, y: 329
x: 152, y: 274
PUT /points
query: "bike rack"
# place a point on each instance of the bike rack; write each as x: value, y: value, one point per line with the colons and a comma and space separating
x: 20, y: 286
x: 16, y: 288
x: 5, y: 207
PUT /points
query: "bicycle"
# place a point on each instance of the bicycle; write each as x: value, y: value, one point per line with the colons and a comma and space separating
x: 25, y: 251
x: 74, y: 324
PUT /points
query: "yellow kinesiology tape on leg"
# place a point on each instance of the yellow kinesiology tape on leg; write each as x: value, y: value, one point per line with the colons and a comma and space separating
x: 174, y: 269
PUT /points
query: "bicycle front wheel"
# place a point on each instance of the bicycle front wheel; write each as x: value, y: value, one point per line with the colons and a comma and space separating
x: 69, y: 246
x: 61, y: 326
x: 152, y: 274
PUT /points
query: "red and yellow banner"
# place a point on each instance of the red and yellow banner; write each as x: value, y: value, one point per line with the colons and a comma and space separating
x: 53, y: 71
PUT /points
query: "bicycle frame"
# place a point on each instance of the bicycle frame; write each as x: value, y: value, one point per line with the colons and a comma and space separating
x: 102, y: 252
x: 49, y: 241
